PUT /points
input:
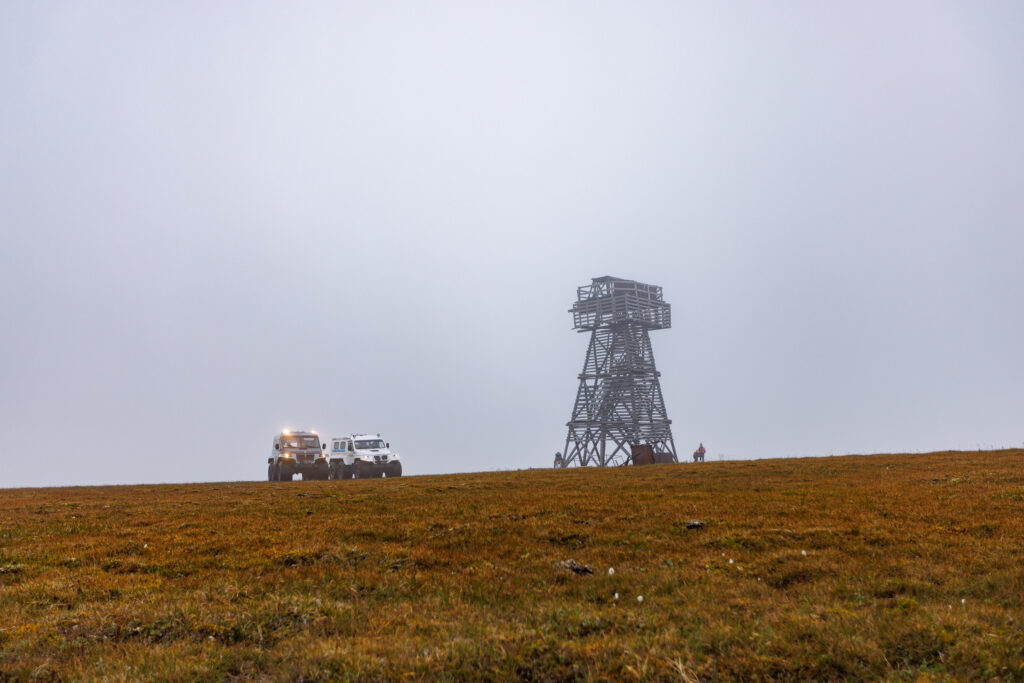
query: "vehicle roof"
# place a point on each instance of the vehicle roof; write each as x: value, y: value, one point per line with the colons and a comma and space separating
x: 358, y: 436
x: 292, y: 433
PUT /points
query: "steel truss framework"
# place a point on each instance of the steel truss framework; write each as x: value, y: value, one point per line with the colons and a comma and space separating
x: 619, y: 401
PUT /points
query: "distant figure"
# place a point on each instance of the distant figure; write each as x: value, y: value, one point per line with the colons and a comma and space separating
x: 559, y: 463
x: 698, y: 455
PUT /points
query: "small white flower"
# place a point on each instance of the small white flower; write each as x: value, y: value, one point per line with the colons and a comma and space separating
x: 730, y: 560
x: 963, y: 601
x: 611, y: 571
x: 804, y: 553
x: 639, y: 598
x: 616, y: 596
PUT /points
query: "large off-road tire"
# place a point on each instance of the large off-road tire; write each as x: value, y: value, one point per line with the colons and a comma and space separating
x: 346, y: 472
x: 394, y: 470
x: 323, y: 473
x: 284, y: 473
x: 271, y: 473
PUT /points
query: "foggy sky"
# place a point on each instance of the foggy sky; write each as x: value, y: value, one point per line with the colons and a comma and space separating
x: 219, y: 220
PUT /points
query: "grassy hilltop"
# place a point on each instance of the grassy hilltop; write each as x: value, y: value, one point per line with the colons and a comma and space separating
x: 893, y: 565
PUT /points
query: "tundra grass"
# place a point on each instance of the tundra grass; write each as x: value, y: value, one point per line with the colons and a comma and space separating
x: 857, y: 567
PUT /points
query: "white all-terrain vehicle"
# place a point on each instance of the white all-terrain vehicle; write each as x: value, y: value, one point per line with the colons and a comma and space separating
x: 297, y: 453
x: 363, y: 456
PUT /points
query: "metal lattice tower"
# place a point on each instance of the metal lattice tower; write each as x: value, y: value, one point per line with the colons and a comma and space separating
x: 619, y: 402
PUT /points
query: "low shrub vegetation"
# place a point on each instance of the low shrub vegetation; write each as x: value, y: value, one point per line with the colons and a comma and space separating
x: 847, y: 567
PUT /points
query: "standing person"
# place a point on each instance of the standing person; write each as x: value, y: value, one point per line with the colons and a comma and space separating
x: 700, y: 452
x: 559, y: 463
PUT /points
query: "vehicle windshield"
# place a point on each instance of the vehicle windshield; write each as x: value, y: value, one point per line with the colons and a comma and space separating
x: 300, y: 442
x: 368, y: 444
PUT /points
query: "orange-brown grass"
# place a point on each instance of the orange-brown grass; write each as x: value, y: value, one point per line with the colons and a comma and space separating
x: 913, y: 566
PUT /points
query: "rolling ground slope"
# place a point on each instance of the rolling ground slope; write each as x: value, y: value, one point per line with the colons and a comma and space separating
x: 892, y: 565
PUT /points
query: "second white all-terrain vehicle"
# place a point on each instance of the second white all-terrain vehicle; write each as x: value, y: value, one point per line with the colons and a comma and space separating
x: 363, y: 456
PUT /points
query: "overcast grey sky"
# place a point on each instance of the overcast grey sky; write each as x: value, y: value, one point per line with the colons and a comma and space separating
x: 221, y: 219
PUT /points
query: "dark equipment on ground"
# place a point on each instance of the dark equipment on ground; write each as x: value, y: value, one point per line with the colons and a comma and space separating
x: 643, y: 454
